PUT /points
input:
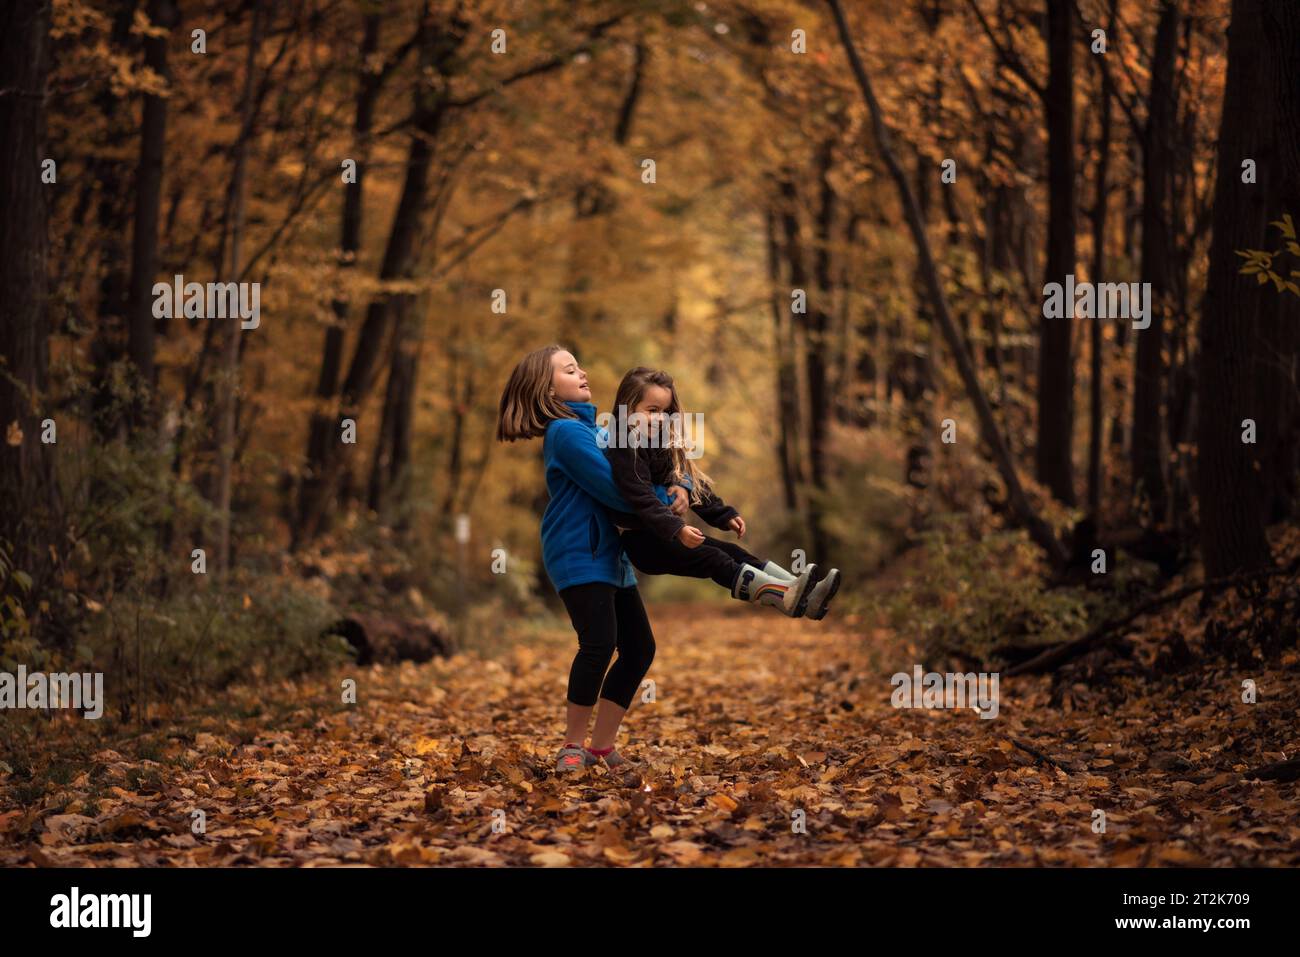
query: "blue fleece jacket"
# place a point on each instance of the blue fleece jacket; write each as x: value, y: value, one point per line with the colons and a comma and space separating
x: 579, y: 541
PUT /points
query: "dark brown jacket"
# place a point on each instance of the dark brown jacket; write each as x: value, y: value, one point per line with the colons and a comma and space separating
x: 636, y: 472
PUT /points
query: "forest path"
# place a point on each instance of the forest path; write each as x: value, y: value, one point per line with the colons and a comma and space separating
x: 757, y: 722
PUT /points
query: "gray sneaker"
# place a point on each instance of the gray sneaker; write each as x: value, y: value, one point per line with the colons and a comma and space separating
x: 612, y: 760
x: 571, y: 759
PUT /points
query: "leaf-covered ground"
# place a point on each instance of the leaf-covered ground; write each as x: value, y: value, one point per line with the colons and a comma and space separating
x: 757, y: 723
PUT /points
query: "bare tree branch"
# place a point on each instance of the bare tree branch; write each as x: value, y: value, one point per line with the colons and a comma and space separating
x: 1009, y: 59
x: 1038, y: 529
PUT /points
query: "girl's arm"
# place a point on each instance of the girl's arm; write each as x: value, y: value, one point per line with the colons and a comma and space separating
x: 576, y: 453
x: 715, y: 511
x: 711, y: 508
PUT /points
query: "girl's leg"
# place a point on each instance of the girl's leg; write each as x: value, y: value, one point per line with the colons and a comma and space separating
x: 737, y: 553
x: 652, y: 555
x: 636, y: 650
x: 608, y: 720
x: 591, y: 610
x: 577, y: 718
x: 744, y: 557
x: 722, y: 562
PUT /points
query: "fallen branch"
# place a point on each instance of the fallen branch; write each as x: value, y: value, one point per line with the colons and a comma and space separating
x: 1071, y: 649
x: 1039, y: 755
x: 1282, y: 771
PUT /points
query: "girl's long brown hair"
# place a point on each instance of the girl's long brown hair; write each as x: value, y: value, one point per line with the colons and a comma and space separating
x: 631, y: 390
x: 527, y: 405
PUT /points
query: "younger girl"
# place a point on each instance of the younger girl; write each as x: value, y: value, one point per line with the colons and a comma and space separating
x: 547, y: 395
x: 664, y: 543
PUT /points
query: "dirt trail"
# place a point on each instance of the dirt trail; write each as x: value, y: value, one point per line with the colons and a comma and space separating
x: 768, y: 741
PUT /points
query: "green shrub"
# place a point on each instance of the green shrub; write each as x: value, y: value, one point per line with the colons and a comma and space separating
x: 974, y: 593
x: 370, y: 567
x: 866, y: 508
x: 18, y: 644
x: 210, y: 637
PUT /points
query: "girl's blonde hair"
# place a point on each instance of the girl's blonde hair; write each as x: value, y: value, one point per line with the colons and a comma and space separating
x: 630, y: 392
x: 527, y: 403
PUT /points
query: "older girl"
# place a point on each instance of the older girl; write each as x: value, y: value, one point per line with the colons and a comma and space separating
x: 547, y: 395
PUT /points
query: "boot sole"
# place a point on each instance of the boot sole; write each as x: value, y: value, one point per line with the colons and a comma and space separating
x: 826, y: 605
x: 802, y: 604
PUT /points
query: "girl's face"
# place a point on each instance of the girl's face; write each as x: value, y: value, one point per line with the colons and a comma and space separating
x: 654, y: 406
x: 567, y: 380
x: 654, y: 402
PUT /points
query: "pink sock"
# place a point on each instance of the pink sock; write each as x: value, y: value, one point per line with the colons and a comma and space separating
x: 601, y: 751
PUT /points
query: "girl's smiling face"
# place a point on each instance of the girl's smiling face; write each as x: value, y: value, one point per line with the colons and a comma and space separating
x: 568, y: 381
x: 655, y: 401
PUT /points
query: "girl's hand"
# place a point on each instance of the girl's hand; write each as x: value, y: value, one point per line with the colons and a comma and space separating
x: 690, y: 536
x: 737, y: 525
x: 681, y: 501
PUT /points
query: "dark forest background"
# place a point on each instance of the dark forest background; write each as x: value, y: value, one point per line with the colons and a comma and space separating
x: 833, y: 302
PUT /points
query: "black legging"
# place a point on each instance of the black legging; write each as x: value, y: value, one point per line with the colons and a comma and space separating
x: 606, y: 618
x: 712, y: 558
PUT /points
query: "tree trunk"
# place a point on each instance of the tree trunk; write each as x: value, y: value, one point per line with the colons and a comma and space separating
x: 816, y: 357
x: 1130, y: 216
x: 787, y: 396
x: 1228, y: 485
x: 1148, y: 449
x: 463, y: 396
x: 110, y: 171
x: 148, y: 202
x: 227, y: 390
x: 799, y: 279
x: 861, y: 389
x: 27, y: 482
x: 995, y: 261
x: 841, y: 383
x: 322, y: 431
x: 400, y: 254
x: 911, y: 367
x: 1278, y: 376
x: 393, y: 450
x: 1098, y: 271
x: 1039, y: 530
x: 1055, y: 468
